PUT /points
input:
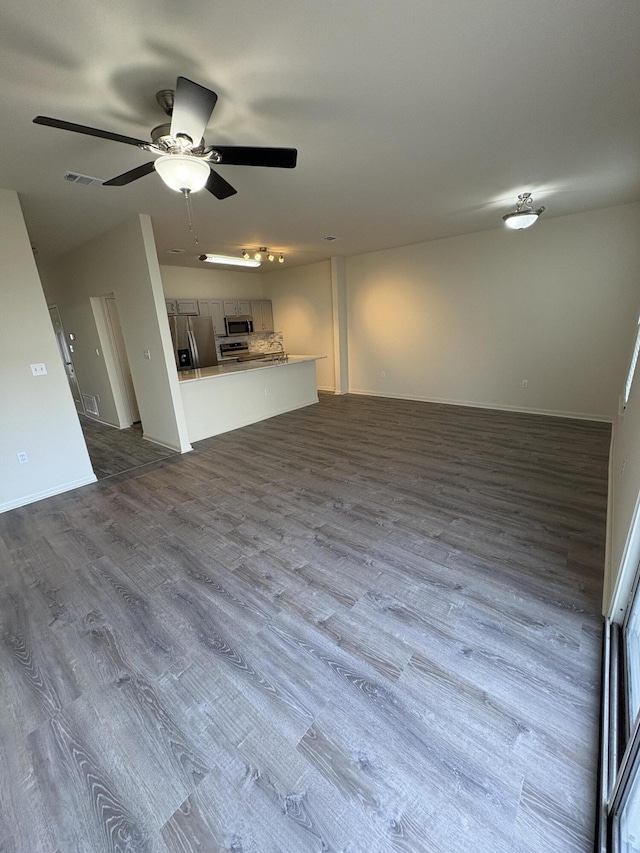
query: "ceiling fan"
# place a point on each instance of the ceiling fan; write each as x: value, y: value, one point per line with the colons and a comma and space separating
x: 184, y: 162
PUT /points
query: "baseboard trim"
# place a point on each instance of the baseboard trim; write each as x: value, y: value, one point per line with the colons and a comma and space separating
x: 47, y: 493
x: 173, y: 447
x: 578, y: 416
x: 105, y: 423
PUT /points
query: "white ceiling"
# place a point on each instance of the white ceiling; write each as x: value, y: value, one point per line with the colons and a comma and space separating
x: 413, y: 119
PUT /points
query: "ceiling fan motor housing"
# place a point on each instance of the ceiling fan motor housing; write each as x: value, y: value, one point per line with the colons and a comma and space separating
x: 160, y: 132
x: 165, y: 98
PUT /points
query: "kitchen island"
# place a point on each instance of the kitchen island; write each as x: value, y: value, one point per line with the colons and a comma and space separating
x: 234, y: 394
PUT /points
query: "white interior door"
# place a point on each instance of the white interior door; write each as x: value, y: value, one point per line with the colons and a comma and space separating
x: 67, y: 360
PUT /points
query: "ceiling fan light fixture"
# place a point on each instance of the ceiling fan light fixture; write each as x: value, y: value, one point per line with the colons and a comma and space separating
x: 246, y: 255
x: 182, y: 172
x: 281, y: 259
x: 524, y: 216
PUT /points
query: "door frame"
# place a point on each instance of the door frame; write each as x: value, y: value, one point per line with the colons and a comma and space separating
x: 66, y: 354
x: 112, y: 360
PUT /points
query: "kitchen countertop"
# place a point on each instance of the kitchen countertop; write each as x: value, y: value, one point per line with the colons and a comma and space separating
x: 230, y: 369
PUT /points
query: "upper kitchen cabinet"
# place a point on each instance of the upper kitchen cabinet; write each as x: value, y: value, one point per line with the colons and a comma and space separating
x: 187, y: 306
x: 262, y: 313
x: 181, y: 306
x: 237, y: 307
x: 213, y: 308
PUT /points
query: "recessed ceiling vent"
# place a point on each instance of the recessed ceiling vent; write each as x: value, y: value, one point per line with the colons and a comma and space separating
x: 75, y: 178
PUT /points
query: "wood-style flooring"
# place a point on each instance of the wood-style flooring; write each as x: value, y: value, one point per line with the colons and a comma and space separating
x: 365, y: 626
x: 114, y: 451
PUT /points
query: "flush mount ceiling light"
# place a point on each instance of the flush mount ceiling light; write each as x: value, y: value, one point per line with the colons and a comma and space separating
x: 524, y: 215
x: 230, y: 260
x: 262, y: 254
x: 183, y: 172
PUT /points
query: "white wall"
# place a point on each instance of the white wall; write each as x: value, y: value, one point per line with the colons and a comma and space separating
x: 124, y: 262
x: 38, y: 414
x: 302, y: 309
x: 468, y: 318
x: 208, y: 283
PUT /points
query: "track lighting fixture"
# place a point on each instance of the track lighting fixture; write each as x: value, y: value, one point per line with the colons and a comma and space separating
x: 262, y: 254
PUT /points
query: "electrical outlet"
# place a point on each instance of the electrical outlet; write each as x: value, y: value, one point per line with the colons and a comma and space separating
x: 38, y: 369
x: 147, y: 354
x: 22, y: 457
x: 266, y: 392
x: 525, y: 383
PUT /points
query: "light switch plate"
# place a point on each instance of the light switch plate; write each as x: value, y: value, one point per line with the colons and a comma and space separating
x: 39, y: 369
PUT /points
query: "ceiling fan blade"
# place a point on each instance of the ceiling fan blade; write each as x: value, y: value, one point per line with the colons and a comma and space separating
x: 131, y: 175
x: 192, y: 108
x: 240, y: 155
x: 89, y: 131
x: 218, y: 187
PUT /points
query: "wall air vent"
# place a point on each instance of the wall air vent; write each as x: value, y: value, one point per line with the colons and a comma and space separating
x: 90, y: 405
x: 75, y: 178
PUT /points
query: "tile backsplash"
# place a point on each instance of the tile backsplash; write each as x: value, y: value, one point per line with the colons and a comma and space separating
x: 258, y: 342
x: 266, y: 342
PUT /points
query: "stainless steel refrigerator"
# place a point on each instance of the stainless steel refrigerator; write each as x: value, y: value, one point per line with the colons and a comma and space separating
x: 194, y: 342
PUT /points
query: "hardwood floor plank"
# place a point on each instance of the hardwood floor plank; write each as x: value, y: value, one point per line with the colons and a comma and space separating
x: 545, y: 825
x: 72, y: 780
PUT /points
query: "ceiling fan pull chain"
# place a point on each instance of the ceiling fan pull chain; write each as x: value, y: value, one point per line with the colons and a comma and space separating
x: 187, y: 196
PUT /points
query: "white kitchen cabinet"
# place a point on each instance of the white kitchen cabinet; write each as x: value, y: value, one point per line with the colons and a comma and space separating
x: 217, y: 315
x: 172, y: 308
x: 237, y: 307
x: 213, y: 308
x: 262, y: 313
x: 186, y: 306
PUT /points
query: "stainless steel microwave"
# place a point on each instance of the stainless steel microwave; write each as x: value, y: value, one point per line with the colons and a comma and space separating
x: 238, y: 325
